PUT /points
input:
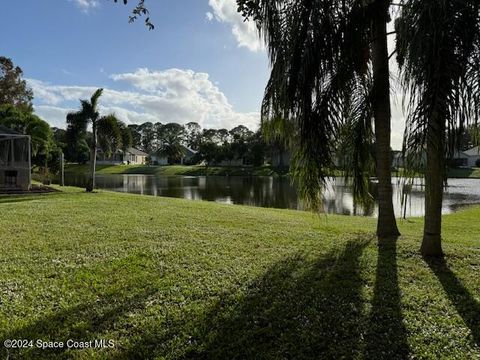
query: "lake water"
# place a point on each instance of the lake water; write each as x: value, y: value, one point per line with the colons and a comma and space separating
x: 279, y: 192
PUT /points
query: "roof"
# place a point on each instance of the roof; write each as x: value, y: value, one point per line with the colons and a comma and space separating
x: 189, y: 151
x: 7, y: 131
x: 460, y: 155
x: 137, y: 152
x: 473, y: 151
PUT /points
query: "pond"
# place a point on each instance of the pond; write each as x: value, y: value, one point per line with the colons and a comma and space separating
x: 278, y: 192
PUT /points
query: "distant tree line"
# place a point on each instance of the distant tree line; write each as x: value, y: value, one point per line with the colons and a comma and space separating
x: 213, y: 146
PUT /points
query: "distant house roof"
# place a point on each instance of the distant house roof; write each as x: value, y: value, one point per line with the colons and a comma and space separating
x: 188, y: 151
x: 137, y: 152
x: 473, y: 151
x: 460, y: 155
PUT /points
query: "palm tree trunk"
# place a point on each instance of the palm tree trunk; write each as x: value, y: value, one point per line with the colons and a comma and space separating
x: 434, y: 179
x: 93, y: 160
x: 386, y: 225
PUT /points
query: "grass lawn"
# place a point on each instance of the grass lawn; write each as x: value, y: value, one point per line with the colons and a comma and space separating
x: 193, y: 170
x: 464, y: 173
x: 171, y: 278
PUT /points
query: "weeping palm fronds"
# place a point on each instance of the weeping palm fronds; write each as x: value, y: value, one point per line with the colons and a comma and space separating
x: 438, y: 43
x: 329, y: 73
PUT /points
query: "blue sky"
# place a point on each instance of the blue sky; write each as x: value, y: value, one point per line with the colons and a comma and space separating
x: 201, y: 63
x: 67, y: 47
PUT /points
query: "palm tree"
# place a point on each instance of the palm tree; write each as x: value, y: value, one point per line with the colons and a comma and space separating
x: 438, y: 45
x: 327, y: 57
x: 104, y: 128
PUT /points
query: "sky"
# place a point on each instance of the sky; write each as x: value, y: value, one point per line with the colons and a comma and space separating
x: 201, y: 63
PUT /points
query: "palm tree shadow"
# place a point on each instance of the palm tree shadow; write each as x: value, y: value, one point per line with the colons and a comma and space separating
x: 386, y: 335
x: 466, y: 305
x: 299, y: 309
x: 83, y: 322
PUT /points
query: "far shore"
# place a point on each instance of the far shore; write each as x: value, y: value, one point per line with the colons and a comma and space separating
x: 201, y: 170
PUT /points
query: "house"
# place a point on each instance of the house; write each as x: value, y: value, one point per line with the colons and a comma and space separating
x: 189, y: 154
x: 135, y: 157
x: 131, y: 156
x: 459, y: 159
x: 473, y: 156
x: 467, y: 158
x: 15, y: 160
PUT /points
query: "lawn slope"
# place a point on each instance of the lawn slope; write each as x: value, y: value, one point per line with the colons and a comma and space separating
x: 176, y: 279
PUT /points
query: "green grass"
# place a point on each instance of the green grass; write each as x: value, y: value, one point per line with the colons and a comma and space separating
x: 464, y: 173
x: 171, y: 278
x: 193, y: 170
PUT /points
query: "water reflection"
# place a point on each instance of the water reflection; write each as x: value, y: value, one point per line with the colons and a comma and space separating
x: 280, y: 193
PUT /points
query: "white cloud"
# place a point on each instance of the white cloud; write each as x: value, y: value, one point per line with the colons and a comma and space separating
x: 172, y: 95
x: 86, y: 5
x: 245, y: 32
x: 209, y: 16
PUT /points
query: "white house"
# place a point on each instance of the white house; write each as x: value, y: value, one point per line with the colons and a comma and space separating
x: 131, y: 156
x: 156, y: 159
x: 135, y: 157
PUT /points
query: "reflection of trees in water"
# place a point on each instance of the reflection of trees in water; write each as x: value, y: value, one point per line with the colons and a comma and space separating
x: 257, y: 191
x: 278, y: 192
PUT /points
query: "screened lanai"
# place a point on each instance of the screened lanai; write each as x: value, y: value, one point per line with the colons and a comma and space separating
x: 15, y: 160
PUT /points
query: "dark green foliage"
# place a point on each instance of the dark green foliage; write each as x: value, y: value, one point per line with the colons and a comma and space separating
x: 27, y: 123
x: 13, y: 89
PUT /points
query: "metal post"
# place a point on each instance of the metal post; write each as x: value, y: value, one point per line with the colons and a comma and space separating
x: 62, y: 159
x: 29, y: 162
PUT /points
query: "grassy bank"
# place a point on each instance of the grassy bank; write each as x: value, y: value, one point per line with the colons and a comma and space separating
x: 171, y: 278
x: 194, y: 170
x: 464, y: 173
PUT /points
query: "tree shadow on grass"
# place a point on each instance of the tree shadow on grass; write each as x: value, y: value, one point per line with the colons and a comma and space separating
x: 299, y: 309
x: 84, y: 322
x: 467, y: 307
x: 386, y: 336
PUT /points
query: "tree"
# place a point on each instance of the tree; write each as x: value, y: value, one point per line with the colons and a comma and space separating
x: 148, y: 136
x: 321, y: 54
x: 13, y: 89
x: 171, y: 138
x: 440, y: 69
x: 27, y: 123
x: 136, y: 135
x: 126, y: 135
x: 138, y: 11
x: 193, y: 135
x: 105, y: 127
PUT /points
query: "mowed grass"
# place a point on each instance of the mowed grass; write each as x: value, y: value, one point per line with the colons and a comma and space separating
x: 178, y: 279
x: 186, y: 170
